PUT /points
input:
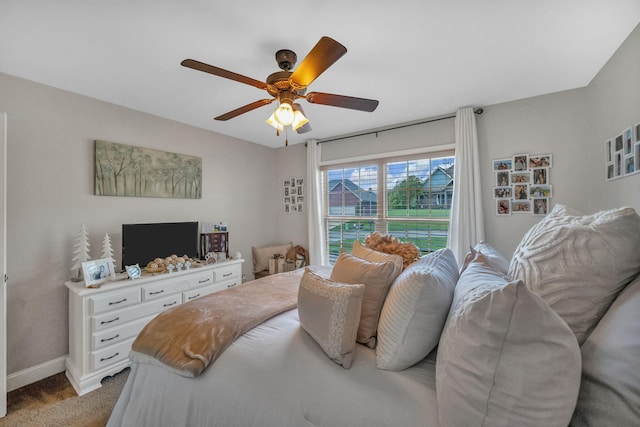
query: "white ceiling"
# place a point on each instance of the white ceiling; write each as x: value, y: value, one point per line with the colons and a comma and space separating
x: 419, y: 58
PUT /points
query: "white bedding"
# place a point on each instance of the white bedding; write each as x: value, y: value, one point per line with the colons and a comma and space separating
x: 277, y: 376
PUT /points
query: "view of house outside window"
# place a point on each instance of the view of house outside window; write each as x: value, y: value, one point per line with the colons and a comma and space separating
x: 409, y: 199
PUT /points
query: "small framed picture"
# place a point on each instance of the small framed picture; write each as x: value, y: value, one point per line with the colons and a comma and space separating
x: 521, y: 206
x: 540, y: 161
x: 501, y: 192
x: 619, y: 143
x: 520, y: 162
x: 502, y: 179
x: 536, y: 191
x: 628, y: 141
x: 503, y: 207
x: 502, y: 165
x: 637, y: 127
x: 541, y: 176
x: 520, y: 177
x: 97, y: 272
x: 521, y: 192
x: 540, y: 206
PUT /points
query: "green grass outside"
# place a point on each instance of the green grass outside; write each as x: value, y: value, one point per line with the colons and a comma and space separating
x: 361, y: 228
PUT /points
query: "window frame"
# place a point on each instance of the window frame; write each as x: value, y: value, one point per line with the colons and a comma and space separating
x: 381, y: 219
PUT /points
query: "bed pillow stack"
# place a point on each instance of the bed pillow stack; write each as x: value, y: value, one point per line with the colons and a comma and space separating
x: 415, y: 310
x: 504, y: 356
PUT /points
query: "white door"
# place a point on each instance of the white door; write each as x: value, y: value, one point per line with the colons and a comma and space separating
x: 3, y: 259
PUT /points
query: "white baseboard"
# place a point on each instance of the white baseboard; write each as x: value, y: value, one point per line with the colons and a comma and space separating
x: 35, y: 373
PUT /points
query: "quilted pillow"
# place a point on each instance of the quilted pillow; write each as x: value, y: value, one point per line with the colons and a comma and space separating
x: 579, y: 263
x: 330, y: 313
x: 262, y: 255
x: 504, y: 358
x: 415, y: 310
x: 609, y: 391
x: 377, y: 278
x: 364, y: 252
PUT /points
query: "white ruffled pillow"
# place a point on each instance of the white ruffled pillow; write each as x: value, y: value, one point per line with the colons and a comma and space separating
x: 579, y: 263
x: 415, y: 310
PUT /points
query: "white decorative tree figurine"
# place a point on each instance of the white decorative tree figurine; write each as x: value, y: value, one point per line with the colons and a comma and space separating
x: 80, y: 253
x: 107, y: 251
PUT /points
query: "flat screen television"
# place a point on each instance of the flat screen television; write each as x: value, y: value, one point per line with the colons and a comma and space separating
x: 142, y: 243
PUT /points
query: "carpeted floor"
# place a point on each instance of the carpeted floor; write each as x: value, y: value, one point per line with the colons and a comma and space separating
x: 53, y: 402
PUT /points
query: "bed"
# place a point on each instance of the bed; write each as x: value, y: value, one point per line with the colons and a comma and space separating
x: 507, y: 349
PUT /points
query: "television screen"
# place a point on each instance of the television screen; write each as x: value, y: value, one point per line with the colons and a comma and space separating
x: 142, y: 243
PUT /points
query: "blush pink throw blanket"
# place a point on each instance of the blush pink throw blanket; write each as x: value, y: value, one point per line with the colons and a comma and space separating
x: 188, y: 338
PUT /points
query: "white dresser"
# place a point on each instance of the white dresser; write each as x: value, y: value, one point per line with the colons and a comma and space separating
x: 103, y: 322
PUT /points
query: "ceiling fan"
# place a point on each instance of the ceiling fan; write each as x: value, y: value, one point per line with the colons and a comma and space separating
x: 287, y: 86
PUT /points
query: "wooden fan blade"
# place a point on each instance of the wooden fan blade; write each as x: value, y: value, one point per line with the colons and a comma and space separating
x: 322, y: 56
x: 216, y: 71
x: 361, y: 104
x: 244, y: 109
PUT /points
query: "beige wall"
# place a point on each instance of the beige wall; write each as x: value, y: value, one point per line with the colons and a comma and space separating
x: 50, y: 193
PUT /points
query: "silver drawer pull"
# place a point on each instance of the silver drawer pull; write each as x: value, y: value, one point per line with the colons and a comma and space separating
x: 156, y: 292
x: 195, y: 296
x: 104, y: 322
x: 117, y: 302
x: 231, y: 285
x: 227, y: 275
x: 169, y: 305
x: 110, y: 357
x: 204, y: 281
x: 109, y: 339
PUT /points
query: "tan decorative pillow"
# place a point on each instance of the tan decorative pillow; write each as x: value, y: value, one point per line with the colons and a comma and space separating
x: 364, y: 252
x: 391, y: 245
x: 377, y: 278
x: 579, y: 263
x: 330, y: 313
x: 262, y: 255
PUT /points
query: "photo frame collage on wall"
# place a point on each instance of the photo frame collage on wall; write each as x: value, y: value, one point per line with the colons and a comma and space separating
x: 293, y: 189
x: 622, y: 153
x: 522, y: 184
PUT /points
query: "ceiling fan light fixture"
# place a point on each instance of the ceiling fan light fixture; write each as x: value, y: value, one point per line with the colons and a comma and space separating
x: 299, y: 119
x: 284, y: 114
x: 273, y: 122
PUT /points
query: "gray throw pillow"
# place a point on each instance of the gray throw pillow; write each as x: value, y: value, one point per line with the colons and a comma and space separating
x: 505, y: 358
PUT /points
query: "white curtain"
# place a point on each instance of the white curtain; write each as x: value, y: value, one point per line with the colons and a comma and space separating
x: 467, y: 221
x: 315, y: 225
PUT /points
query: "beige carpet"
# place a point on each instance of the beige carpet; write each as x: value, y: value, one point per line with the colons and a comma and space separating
x: 53, y: 402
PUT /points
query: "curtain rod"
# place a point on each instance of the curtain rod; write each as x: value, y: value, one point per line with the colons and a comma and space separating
x: 478, y: 111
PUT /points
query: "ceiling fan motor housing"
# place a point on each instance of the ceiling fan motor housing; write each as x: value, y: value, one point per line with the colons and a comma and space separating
x: 286, y: 59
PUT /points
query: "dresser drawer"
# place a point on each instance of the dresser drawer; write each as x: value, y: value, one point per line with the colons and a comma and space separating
x: 114, y: 301
x: 176, y: 284
x: 227, y: 272
x: 206, y: 290
x: 111, y: 336
x: 120, y: 317
x: 110, y: 355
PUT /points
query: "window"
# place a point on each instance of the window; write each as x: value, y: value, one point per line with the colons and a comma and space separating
x: 409, y: 198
